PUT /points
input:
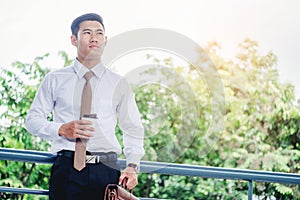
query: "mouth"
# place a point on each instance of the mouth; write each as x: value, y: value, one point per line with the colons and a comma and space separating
x: 93, y: 46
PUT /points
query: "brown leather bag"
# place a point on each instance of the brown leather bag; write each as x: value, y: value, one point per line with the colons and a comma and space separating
x: 118, y: 192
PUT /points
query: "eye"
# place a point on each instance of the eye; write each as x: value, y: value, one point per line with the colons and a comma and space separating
x: 86, y: 32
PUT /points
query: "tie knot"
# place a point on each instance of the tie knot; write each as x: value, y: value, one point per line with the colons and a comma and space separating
x: 88, y: 75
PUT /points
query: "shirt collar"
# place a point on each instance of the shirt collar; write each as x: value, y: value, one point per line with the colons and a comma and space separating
x: 80, y: 69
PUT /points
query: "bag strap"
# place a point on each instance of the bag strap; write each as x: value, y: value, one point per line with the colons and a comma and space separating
x: 123, y: 184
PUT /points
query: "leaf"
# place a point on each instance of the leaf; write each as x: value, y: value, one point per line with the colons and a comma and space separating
x: 282, y: 189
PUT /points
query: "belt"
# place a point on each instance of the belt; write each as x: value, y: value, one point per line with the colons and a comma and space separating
x: 92, y: 158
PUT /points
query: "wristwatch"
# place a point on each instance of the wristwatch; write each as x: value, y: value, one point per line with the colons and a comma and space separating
x: 134, y: 166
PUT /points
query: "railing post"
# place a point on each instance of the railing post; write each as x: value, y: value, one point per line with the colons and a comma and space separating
x: 250, y: 189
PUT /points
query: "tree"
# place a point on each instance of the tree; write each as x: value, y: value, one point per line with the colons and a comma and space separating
x: 261, y: 130
x: 17, y: 90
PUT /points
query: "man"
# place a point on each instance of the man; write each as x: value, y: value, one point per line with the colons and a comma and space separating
x: 65, y: 93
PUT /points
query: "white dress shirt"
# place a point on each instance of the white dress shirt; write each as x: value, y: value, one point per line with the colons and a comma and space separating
x: 113, y: 101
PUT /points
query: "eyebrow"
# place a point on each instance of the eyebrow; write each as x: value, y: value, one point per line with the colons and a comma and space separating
x: 88, y: 29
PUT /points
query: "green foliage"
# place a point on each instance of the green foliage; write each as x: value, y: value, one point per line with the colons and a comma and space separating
x: 260, y: 131
x: 18, y: 86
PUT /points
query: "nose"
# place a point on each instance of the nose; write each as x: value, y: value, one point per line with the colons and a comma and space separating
x: 93, y: 38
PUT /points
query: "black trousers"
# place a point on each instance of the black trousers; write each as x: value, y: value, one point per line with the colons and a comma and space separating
x: 66, y: 183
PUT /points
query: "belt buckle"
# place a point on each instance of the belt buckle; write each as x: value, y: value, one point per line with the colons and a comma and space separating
x: 90, y: 159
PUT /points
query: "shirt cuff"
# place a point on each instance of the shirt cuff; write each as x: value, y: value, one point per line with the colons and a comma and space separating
x: 134, y: 158
x: 53, y: 129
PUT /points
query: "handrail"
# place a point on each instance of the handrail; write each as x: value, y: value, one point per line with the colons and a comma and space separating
x: 166, y: 168
x: 23, y: 190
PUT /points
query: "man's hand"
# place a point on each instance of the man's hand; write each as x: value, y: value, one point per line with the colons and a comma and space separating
x: 131, y: 174
x: 77, y: 129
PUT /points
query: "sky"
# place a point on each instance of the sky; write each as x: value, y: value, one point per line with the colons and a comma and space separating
x: 35, y: 27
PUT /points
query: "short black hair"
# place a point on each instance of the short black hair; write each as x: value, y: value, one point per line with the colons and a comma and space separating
x: 86, y: 17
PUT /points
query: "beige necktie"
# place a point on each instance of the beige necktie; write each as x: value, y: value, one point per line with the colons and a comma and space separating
x: 86, y: 102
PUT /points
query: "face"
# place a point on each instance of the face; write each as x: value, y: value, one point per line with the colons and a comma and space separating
x: 90, y: 41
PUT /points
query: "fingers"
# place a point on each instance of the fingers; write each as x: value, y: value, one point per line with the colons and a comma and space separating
x: 84, y: 122
x: 84, y: 125
x: 77, y: 129
x: 131, y: 183
x: 83, y: 132
x: 132, y: 180
x: 121, y: 178
x: 83, y: 135
x: 84, y: 129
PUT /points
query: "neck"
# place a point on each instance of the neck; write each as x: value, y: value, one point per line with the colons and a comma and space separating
x: 89, y: 63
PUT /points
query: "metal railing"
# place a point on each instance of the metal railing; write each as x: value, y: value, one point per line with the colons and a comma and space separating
x: 159, y: 168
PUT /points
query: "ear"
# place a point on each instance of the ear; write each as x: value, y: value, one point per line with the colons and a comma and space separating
x: 74, y: 40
